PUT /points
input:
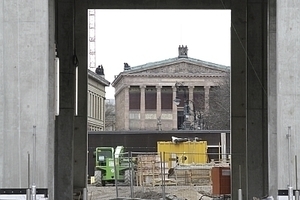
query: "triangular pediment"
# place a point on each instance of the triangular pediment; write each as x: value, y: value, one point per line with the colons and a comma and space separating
x: 179, y: 68
x: 175, y: 67
x: 182, y: 68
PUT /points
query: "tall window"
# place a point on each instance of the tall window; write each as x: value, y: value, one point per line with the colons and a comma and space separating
x: 166, y: 98
x: 134, y: 98
x: 150, y: 98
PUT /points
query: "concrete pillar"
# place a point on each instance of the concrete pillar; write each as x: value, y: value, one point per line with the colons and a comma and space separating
x: 80, y: 122
x: 142, y: 107
x: 287, y: 91
x: 272, y: 102
x: 239, y: 177
x: 71, y: 129
x: 26, y: 92
x: 158, y: 100
x: 174, y: 109
x: 249, y: 102
x: 126, y: 110
x: 257, y: 99
x: 65, y: 121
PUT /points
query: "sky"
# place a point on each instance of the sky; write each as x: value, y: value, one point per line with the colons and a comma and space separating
x: 138, y: 37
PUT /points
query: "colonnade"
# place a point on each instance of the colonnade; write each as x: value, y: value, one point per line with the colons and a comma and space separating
x: 159, y: 99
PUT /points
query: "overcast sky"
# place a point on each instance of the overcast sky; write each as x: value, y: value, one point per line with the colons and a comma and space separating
x: 138, y: 37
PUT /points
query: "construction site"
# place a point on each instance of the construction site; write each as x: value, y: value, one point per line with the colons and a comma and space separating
x: 188, y: 164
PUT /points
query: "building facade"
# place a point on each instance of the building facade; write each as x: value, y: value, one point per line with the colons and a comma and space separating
x: 96, y: 99
x: 145, y: 94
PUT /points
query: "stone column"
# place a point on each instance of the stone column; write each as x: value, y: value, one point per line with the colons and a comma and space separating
x: 191, y: 104
x: 142, y: 107
x: 158, y: 101
x: 174, y: 110
x: 126, y: 110
x: 191, y: 96
x: 206, y: 101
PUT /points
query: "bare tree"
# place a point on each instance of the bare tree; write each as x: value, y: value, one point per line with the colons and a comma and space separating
x: 217, y: 115
x: 109, y: 115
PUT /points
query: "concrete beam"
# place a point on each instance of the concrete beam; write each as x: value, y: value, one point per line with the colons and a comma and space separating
x: 159, y: 4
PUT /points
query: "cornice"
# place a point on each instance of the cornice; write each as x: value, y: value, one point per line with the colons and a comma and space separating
x: 173, y: 75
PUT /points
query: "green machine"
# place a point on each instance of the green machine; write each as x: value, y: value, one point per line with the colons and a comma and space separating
x: 108, y: 170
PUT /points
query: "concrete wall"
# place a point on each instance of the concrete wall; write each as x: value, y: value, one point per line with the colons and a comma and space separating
x: 26, y: 92
x: 288, y: 93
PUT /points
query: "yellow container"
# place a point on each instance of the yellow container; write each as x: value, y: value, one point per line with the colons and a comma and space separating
x: 190, y: 152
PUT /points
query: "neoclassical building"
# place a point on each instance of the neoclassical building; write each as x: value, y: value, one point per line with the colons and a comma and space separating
x: 145, y: 94
x: 96, y: 99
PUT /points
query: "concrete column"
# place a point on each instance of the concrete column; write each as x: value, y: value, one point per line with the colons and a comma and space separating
x: 158, y: 100
x: 80, y: 122
x: 249, y: 102
x: 287, y: 91
x: 27, y: 92
x: 272, y: 102
x: 239, y: 177
x: 257, y: 91
x: 64, y: 168
x: 142, y: 107
x: 126, y: 110
x: 206, y: 98
x: 174, y: 109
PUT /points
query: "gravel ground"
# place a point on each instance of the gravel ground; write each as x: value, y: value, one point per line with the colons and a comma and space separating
x: 154, y: 193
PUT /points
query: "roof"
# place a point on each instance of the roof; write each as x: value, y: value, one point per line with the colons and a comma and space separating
x: 175, y: 60
x: 99, y: 78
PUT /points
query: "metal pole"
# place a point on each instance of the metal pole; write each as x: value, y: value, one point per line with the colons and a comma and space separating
x: 28, y: 173
x: 296, y: 192
x: 131, y: 175
x: 33, y: 187
x: 240, y: 192
x: 223, y: 146
x: 161, y: 171
x: 164, y: 178
x: 116, y: 180
x: 85, y: 194
x: 290, y: 188
x: 296, y: 173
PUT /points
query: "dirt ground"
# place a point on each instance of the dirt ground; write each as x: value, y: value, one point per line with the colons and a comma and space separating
x: 155, y: 193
